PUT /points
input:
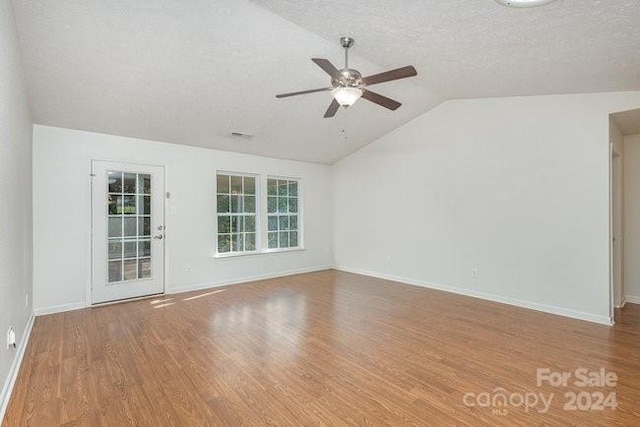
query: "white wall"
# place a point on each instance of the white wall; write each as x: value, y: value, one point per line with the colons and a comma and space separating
x: 62, y: 214
x: 632, y: 217
x: 515, y: 187
x: 15, y: 198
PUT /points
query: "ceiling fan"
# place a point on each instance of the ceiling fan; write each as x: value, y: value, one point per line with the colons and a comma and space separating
x: 348, y: 85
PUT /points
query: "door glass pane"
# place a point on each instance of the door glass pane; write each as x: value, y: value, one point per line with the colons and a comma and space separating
x: 130, y: 227
x: 130, y: 269
x: 130, y: 249
x: 144, y: 268
x: 129, y: 183
x: 129, y: 224
x: 115, y: 271
x: 115, y: 227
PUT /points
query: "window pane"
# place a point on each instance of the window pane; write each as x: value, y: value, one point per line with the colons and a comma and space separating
x: 249, y: 185
x: 144, y: 268
x: 130, y: 269
x: 145, y: 226
x: 236, y: 224
x: 115, y: 250
x: 144, y: 248
x: 144, y: 184
x: 129, y: 183
x: 250, y: 242
x: 115, y: 227
x: 272, y: 204
x: 293, y: 222
x: 249, y: 223
x: 293, y: 239
x: 272, y: 187
x: 130, y: 249
x: 130, y: 227
x: 293, y: 188
x: 223, y: 204
x: 293, y: 204
x: 223, y: 184
x: 283, y: 188
x: 224, y: 224
x: 236, y: 203
x: 144, y: 205
x: 249, y: 204
x: 237, y: 242
x: 283, y: 223
x: 283, y: 205
x: 236, y: 185
x: 273, y: 240
x: 115, y: 182
x: 129, y: 207
x: 273, y: 223
x: 115, y: 204
x: 284, y: 239
x: 115, y: 271
x: 224, y: 243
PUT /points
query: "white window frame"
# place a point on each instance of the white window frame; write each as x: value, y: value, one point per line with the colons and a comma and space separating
x: 300, y: 215
x: 258, y: 215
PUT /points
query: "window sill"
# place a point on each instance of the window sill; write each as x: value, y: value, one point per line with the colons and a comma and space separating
x: 257, y: 253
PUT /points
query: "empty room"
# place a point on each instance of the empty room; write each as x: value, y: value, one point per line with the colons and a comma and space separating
x: 285, y: 213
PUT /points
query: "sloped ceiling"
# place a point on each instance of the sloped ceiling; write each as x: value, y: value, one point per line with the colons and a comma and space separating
x: 628, y: 121
x: 192, y: 72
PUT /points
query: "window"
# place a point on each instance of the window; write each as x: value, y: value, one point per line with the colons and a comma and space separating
x: 236, y: 207
x: 283, y: 219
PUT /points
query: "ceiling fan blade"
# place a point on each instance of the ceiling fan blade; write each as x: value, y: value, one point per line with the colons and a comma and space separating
x: 332, y: 110
x: 326, y: 65
x: 380, y: 100
x: 284, y: 95
x: 398, y: 73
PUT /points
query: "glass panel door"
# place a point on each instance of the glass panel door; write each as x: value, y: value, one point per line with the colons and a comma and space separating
x: 127, y: 210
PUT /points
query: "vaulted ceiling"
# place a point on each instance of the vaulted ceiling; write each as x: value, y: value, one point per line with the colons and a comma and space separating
x: 192, y: 72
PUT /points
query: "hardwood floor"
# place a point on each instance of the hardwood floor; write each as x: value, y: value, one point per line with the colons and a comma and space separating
x: 324, y: 348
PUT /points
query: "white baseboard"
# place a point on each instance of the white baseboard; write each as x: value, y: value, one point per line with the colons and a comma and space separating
x: 15, y: 368
x: 246, y: 279
x: 59, y: 308
x: 632, y: 299
x: 603, y: 320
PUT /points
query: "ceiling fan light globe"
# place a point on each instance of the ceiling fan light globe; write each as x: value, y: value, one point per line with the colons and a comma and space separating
x: 346, y: 96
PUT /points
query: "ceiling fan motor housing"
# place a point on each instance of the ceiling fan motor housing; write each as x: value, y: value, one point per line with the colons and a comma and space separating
x: 347, y: 77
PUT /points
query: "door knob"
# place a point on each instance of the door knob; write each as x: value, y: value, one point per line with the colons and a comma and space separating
x: 159, y: 237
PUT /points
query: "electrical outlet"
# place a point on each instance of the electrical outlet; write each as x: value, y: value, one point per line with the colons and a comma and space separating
x: 474, y: 273
x: 26, y: 301
x: 389, y: 261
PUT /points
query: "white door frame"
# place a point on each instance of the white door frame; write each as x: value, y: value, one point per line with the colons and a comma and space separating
x: 615, y: 256
x: 89, y: 299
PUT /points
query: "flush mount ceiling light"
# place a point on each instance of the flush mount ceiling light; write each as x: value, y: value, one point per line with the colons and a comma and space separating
x: 524, y: 3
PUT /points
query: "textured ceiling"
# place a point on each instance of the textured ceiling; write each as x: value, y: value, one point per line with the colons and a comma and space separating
x: 192, y: 72
x: 477, y: 48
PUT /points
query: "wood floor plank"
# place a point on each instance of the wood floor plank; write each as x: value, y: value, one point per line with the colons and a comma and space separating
x: 326, y: 348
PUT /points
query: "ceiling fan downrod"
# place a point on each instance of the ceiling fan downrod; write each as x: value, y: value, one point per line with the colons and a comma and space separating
x: 346, y: 43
